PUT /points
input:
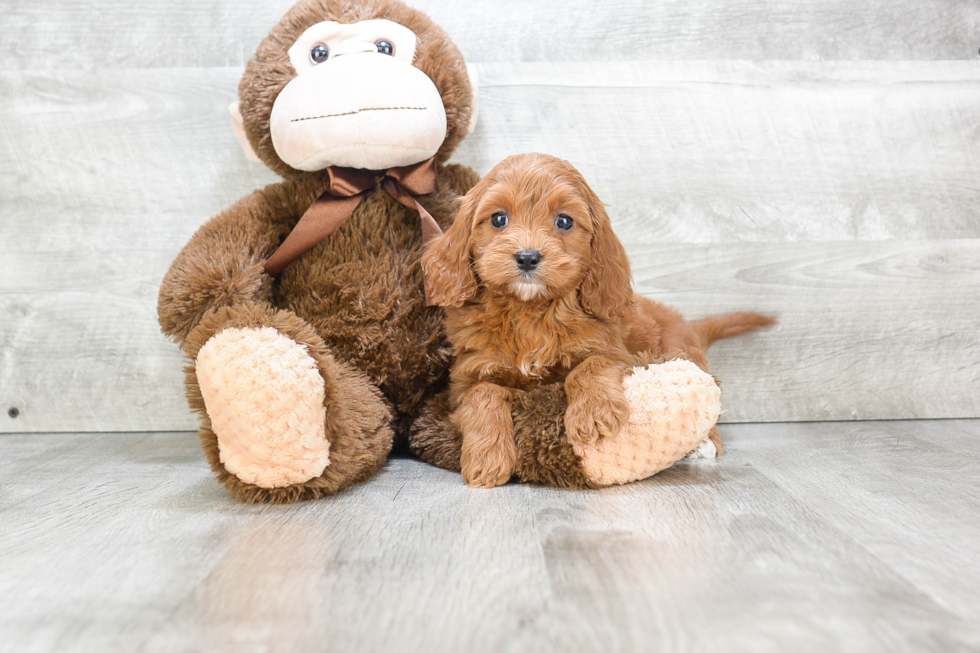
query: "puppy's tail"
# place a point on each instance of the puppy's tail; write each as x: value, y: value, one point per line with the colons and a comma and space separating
x: 716, y: 327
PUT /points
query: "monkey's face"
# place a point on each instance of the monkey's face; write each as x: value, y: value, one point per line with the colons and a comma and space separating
x: 356, y: 100
x: 369, y: 84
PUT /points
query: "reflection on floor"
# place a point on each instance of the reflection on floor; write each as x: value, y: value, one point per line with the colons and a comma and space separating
x: 804, y: 537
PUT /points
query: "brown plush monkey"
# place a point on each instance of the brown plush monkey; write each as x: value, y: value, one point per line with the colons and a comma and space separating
x: 304, y: 369
x: 300, y: 308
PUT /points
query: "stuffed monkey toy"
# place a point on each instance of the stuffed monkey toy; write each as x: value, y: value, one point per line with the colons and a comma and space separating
x: 310, y: 349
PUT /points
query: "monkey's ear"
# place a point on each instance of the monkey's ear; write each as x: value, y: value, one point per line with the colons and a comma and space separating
x: 238, y: 125
x: 446, y: 266
x: 475, y: 84
x: 607, y: 291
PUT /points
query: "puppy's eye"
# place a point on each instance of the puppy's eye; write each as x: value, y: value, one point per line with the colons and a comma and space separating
x: 319, y: 53
x: 564, y: 222
x: 385, y: 47
x: 499, y: 219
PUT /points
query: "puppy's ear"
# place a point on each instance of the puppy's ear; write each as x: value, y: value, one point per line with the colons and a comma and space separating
x: 449, y: 278
x: 607, y: 292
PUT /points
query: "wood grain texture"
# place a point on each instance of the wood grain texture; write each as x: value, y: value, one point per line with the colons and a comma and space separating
x: 122, y: 34
x: 699, y: 152
x: 955, y: 436
x: 752, y: 552
x: 765, y: 152
x: 105, y: 175
x: 868, y: 330
x: 900, y: 529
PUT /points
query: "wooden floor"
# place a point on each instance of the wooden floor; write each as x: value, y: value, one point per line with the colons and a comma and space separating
x: 805, y: 537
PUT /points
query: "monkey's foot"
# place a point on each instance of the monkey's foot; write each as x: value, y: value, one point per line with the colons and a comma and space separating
x: 264, y: 396
x: 673, y: 407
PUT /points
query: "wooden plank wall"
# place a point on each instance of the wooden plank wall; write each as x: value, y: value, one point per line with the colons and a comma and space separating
x: 815, y: 159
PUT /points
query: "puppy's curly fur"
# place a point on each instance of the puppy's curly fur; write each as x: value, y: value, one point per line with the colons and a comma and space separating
x: 537, y: 289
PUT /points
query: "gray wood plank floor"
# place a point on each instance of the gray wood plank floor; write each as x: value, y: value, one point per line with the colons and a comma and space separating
x: 805, y: 537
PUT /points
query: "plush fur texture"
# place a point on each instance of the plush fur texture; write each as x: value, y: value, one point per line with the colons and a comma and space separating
x: 571, y: 317
x: 673, y: 407
x: 544, y: 456
x: 358, y: 421
x: 355, y: 302
x: 264, y: 396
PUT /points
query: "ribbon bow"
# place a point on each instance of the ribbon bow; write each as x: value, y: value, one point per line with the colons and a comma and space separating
x: 344, y: 193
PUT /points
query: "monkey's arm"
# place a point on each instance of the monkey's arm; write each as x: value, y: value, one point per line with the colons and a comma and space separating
x: 222, y: 263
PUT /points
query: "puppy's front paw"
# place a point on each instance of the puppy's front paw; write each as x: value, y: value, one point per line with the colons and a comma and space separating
x: 590, y: 419
x: 489, y: 466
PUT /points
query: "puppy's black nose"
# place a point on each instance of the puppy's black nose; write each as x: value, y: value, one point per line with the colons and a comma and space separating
x: 528, y: 259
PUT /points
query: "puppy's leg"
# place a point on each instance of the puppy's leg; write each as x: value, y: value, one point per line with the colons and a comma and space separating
x: 710, y: 448
x: 483, y: 415
x: 597, y: 406
x: 715, y: 437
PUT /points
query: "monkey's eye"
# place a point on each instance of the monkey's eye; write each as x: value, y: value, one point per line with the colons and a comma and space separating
x: 564, y: 222
x: 385, y: 47
x: 319, y: 53
x: 499, y: 219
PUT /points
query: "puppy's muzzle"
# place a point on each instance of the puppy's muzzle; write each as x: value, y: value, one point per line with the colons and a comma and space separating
x: 528, y: 259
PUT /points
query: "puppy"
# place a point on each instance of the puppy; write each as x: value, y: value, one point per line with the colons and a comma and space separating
x: 537, y: 289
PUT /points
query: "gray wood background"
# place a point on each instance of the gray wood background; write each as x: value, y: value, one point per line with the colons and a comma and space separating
x: 813, y: 159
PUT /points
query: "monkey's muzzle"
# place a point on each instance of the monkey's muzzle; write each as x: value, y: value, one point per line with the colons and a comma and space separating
x: 363, y: 110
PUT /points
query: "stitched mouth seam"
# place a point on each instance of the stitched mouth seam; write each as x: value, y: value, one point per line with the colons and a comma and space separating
x: 351, y: 113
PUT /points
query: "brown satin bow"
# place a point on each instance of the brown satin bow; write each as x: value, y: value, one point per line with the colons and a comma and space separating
x: 345, y: 192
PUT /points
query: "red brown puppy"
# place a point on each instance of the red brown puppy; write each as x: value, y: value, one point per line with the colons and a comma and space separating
x: 537, y: 290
